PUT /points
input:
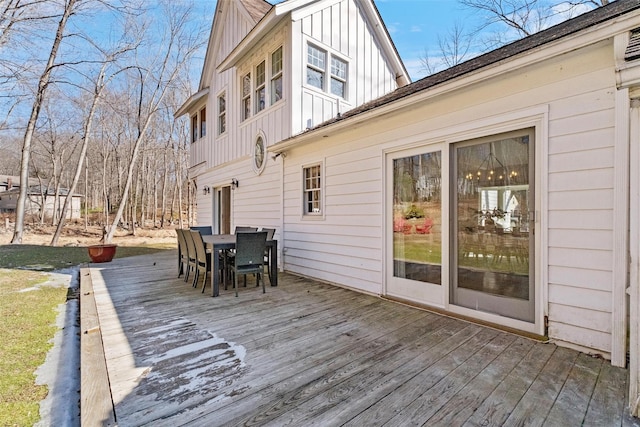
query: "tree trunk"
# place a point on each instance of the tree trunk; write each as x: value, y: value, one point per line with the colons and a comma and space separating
x: 43, y: 83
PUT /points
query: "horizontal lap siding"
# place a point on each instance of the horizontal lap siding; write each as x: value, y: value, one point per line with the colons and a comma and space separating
x: 580, y: 213
x: 578, y: 205
x: 345, y: 246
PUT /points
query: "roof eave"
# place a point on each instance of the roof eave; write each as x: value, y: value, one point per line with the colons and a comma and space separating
x: 266, y: 24
x: 191, y: 102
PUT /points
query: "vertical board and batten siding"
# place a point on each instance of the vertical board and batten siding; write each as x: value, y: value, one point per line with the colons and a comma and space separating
x: 578, y: 89
x: 203, y: 150
x: 344, y: 30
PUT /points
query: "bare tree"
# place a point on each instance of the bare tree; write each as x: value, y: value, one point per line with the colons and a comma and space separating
x: 43, y: 83
x: 500, y: 22
x: 175, y: 51
x: 453, y: 48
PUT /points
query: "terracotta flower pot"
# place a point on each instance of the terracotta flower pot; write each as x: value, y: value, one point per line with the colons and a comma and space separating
x: 102, y: 253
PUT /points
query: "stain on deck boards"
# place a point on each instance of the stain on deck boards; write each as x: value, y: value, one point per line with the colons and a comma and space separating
x: 308, y: 353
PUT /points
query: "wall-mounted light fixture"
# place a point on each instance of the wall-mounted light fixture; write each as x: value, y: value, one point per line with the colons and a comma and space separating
x: 234, y: 183
x: 206, y: 190
x: 281, y: 154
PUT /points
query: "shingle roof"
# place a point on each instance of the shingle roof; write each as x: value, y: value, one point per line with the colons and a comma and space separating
x: 256, y: 8
x: 586, y: 20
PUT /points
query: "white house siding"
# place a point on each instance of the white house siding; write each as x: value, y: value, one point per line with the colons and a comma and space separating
x: 577, y: 89
x: 256, y: 202
x: 340, y: 28
x: 214, y: 149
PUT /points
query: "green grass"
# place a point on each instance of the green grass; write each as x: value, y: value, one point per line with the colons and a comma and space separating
x: 27, y: 322
x: 49, y: 258
x: 426, y: 249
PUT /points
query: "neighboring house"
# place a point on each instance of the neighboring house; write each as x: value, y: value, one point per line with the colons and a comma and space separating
x: 8, y: 182
x: 503, y: 190
x: 41, y: 198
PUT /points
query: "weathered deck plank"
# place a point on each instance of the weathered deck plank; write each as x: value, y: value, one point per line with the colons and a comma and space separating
x: 308, y: 353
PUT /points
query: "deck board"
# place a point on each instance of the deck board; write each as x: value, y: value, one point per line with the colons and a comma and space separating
x: 308, y: 353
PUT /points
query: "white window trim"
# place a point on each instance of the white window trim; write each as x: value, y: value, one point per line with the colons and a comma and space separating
x: 256, y: 169
x: 276, y: 76
x: 328, y: 76
x: 260, y: 86
x: 314, y: 215
x: 251, y: 70
x: 244, y: 115
x: 219, y: 114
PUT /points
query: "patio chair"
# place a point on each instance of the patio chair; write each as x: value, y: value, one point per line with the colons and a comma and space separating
x: 241, y: 229
x: 191, y: 247
x: 249, y: 257
x: 183, y: 253
x: 425, y: 227
x: 267, y: 258
x: 205, y: 230
x: 203, y: 259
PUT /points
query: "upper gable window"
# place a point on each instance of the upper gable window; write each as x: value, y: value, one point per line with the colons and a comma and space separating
x: 316, y: 60
x: 203, y: 122
x: 261, y: 89
x: 321, y: 63
x: 338, y: 76
x: 194, y: 128
x: 276, y: 75
x: 222, y: 113
x: 265, y: 88
x: 246, y: 96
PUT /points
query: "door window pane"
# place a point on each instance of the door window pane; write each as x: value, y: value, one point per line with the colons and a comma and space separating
x: 417, y: 213
x: 492, y: 220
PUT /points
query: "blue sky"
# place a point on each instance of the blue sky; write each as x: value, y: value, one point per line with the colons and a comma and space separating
x: 414, y: 25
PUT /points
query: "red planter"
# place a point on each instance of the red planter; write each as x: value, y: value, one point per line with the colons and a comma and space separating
x: 102, y: 253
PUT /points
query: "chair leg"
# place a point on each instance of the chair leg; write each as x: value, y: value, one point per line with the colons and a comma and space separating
x: 194, y: 284
x: 235, y: 283
x: 204, y: 283
x: 261, y: 276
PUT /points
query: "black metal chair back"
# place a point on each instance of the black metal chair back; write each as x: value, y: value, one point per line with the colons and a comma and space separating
x: 249, y: 257
x: 205, y: 230
x: 241, y: 229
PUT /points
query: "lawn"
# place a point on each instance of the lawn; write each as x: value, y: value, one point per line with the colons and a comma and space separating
x: 27, y: 320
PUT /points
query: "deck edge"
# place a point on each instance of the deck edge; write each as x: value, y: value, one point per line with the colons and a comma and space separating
x: 96, y: 402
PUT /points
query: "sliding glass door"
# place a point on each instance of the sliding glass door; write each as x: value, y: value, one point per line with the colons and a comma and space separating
x: 492, y: 237
x: 416, y: 212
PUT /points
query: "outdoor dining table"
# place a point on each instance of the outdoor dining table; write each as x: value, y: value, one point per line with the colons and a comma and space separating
x: 220, y: 242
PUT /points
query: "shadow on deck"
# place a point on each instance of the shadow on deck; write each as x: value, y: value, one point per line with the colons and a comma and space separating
x: 308, y: 353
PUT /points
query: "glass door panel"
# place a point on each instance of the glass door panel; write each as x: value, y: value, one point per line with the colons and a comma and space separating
x: 417, y: 219
x: 493, y: 230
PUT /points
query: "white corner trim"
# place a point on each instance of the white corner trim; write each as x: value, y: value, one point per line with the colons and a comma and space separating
x: 620, y: 228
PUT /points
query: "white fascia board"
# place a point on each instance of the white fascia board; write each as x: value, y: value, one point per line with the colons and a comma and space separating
x: 191, y: 102
x: 268, y: 23
x: 567, y: 44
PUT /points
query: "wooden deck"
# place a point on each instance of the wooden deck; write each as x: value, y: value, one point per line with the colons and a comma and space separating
x: 308, y: 353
